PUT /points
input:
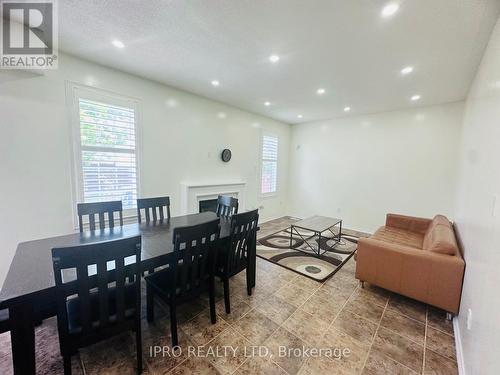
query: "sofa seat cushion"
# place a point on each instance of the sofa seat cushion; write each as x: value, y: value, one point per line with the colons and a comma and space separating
x: 399, y: 236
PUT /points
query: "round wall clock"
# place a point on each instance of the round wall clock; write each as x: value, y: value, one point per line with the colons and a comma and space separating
x: 226, y: 155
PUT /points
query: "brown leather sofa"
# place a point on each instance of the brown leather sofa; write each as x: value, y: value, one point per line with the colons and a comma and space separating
x: 415, y: 257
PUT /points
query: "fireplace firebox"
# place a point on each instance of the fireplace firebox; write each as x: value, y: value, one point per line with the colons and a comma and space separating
x: 208, y: 205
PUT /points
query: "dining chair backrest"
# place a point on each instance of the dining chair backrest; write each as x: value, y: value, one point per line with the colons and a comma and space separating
x: 242, y: 239
x: 226, y: 206
x: 155, y: 209
x: 100, y: 209
x: 103, y: 287
x: 193, y: 263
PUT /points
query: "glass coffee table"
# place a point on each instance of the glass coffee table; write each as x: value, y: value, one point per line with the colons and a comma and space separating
x: 318, y: 225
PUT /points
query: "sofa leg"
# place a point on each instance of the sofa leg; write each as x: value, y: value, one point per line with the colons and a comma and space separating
x: 362, y: 283
x: 449, y: 316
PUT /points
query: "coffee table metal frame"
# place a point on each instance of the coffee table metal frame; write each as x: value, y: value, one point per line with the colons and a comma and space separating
x: 336, y: 237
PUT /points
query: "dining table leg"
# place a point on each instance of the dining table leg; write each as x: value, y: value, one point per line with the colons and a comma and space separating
x: 23, y: 338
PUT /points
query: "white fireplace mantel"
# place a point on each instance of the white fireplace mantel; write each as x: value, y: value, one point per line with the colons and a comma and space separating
x: 193, y: 193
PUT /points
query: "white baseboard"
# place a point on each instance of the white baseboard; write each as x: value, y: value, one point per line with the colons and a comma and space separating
x: 458, y: 347
x: 266, y: 219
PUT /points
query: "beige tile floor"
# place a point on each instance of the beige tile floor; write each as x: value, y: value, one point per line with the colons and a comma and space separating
x: 384, y: 333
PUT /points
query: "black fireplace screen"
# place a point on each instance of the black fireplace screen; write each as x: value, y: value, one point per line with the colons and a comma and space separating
x: 208, y: 205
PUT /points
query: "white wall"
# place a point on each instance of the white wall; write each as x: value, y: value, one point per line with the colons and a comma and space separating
x: 478, y: 221
x: 182, y: 136
x: 361, y: 167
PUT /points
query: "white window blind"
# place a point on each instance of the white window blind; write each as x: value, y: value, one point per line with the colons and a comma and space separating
x: 269, y: 175
x: 108, y: 162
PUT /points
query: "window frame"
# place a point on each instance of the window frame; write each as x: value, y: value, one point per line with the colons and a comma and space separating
x: 276, y: 192
x: 74, y: 92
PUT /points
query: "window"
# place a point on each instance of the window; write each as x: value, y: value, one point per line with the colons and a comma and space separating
x: 105, y: 148
x: 269, y: 175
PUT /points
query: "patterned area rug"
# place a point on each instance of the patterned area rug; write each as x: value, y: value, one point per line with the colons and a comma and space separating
x: 301, y: 258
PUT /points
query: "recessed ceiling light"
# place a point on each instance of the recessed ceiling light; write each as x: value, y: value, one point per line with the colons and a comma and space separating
x: 299, y: 116
x: 320, y: 91
x: 118, y: 44
x: 415, y: 98
x: 215, y: 83
x: 267, y: 104
x: 274, y: 58
x: 390, y: 9
x: 407, y: 70
x: 347, y: 109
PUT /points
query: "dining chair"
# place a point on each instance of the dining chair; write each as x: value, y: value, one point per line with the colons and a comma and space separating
x: 100, y: 209
x: 160, y: 204
x: 95, y: 298
x: 190, y: 272
x: 226, y: 206
x: 154, y: 210
x: 238, y: 251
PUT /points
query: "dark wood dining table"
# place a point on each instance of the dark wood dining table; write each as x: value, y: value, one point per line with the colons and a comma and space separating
x: 29, y: 288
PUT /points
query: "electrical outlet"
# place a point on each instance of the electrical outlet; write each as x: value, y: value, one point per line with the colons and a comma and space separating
x: 469, y: 319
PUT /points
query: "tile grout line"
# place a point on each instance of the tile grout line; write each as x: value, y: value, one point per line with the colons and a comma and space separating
x: 220, y: 333
x: 425, y: 338
x: 403, y: 336
x: 279, y: 325
x: 231, y: 325
x: 375, y: 334
x: 342, y: 308
x: 252, y: 308
x: 196, y: 315
x: 81, y: 364
x: 440, y: 330
x: 237, y: 298
x: 380, y: 326
x: 239, y: 332
x: 330, y: 324
x: 336, y: 316
x: 296, y: 308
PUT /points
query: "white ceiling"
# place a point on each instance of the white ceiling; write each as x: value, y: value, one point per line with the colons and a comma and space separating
x: 344, y: 46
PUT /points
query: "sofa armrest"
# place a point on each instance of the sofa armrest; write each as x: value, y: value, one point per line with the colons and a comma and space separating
x: 423, y: 275
x: 413, y: 224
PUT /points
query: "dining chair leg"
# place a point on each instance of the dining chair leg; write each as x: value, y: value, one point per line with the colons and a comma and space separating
x: 138, y: 345
x: 226, y: 296
x: 249, y: 281
x: 67, y: 364
x: 173, y: 323
x: 211, y: 297
x: 150, y: 304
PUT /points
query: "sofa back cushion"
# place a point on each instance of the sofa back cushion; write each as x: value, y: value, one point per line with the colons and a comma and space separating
x: 440, y: 237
